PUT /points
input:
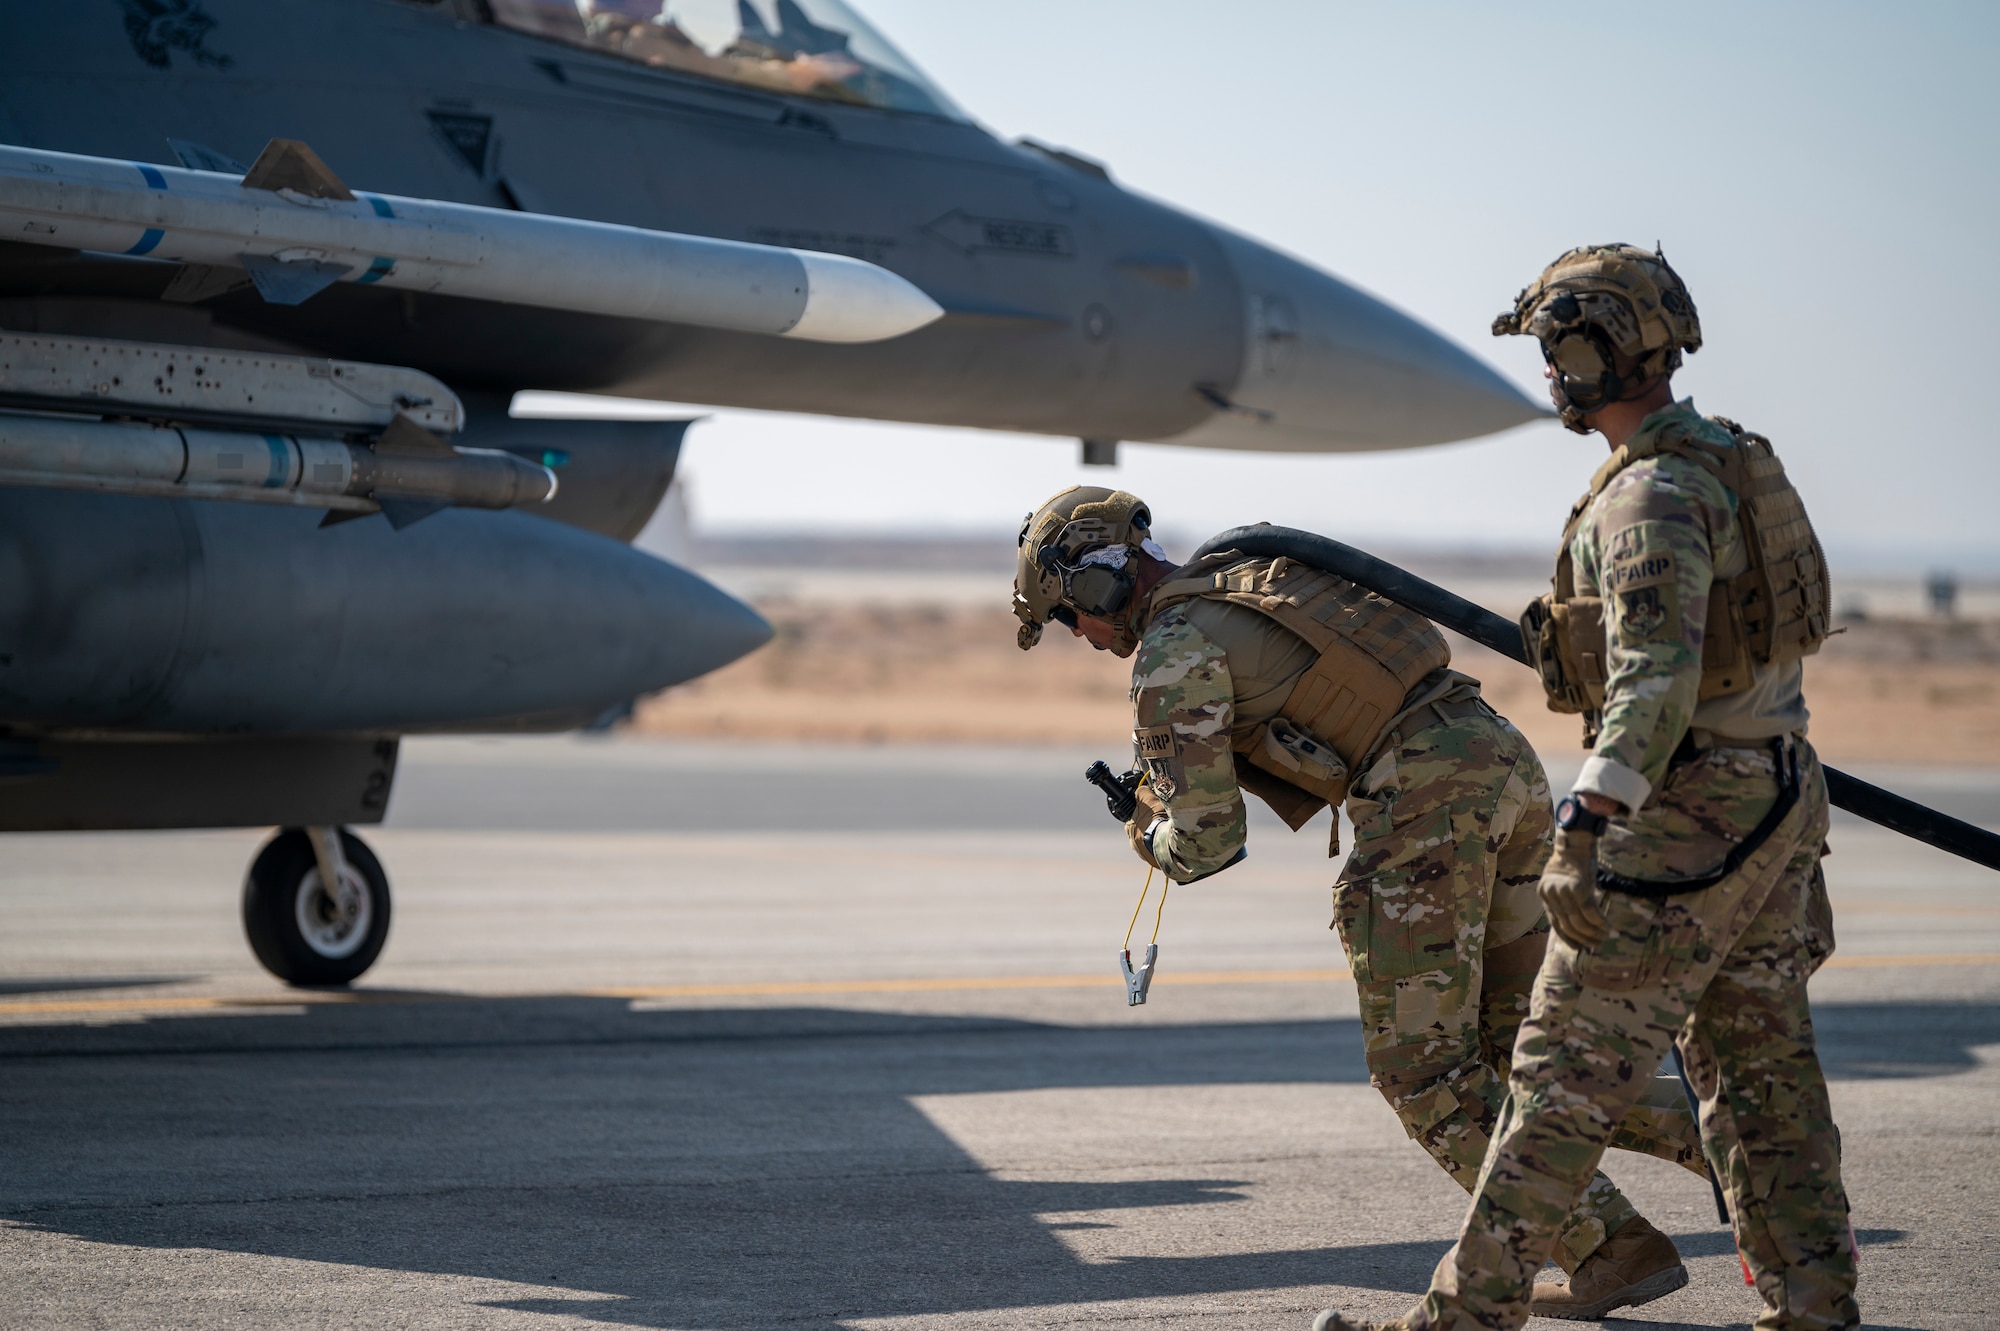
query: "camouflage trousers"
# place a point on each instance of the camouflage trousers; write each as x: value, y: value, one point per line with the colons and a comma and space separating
x: 1437, y: 909
x: 1723, y: 971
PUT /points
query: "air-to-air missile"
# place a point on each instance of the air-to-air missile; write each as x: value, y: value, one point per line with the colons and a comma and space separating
x: 336, y: 435
x: 344, y: 436
x: 291, y: 227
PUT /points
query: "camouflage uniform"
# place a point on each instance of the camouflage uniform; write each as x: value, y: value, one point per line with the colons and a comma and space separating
x: 1722, y: 969
x: 1436, y: 905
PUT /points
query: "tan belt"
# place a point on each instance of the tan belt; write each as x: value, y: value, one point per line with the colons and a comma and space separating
x: 1692, y: 746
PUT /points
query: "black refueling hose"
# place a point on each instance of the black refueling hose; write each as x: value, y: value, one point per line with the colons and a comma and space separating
x: 1879, y: 806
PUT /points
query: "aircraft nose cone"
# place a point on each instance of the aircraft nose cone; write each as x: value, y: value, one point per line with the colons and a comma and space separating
x: 1328, y: 368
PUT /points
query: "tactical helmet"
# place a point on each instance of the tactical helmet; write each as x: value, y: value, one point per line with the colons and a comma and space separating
x: 1598, y: 300
x: 1077, y: 555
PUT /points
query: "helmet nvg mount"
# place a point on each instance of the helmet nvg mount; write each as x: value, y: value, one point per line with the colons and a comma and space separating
x: 1078, y: 555
x: 1598, y: 304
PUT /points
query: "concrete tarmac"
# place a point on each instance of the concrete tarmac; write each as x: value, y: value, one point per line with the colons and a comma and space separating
x: 732, y: 1036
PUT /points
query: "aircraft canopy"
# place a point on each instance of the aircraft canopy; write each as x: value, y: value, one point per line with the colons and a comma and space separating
x: 811, y: 48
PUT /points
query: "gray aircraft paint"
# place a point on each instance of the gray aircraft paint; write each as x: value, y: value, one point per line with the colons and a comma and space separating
x: 1073, y: 308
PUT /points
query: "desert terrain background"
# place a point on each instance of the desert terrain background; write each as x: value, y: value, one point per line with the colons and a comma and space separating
x: 910, y: 641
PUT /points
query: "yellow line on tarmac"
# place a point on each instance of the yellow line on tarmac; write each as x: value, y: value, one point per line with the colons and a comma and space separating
x: 794, y: 988
x: 958, y: 982
x: 84, y: 1006
x: 774, y: 989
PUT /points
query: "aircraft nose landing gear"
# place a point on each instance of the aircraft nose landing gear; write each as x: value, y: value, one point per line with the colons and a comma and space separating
x: 304, y: 931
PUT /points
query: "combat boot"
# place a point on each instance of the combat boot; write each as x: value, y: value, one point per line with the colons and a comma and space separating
x: 1636, y: 1265
x: 1331, y: 1320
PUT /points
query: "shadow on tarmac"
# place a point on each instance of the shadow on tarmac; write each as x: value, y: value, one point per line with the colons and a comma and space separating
x: 689, y: 1168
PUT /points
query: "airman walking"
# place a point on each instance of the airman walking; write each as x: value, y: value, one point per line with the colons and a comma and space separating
x: 1685, y: 886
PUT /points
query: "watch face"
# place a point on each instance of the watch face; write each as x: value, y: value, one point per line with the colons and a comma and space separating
x: 1572, y: 815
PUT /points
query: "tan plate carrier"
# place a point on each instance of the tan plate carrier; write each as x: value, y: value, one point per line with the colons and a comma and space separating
x: 1774, y: 611
x: 1372, y: 653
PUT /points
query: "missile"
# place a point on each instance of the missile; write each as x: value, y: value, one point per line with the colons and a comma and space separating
x: 294, y: 229
x: 407, y: 474
x: 341, y: 435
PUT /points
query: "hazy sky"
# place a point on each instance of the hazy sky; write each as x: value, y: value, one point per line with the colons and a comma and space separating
x: 1823, y: 176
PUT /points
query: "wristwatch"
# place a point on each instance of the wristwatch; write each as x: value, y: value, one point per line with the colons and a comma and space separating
x: 1571, y: 816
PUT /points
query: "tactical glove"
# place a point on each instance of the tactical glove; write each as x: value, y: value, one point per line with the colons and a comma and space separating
x: 1146, y: 809
x: 1569, y: 888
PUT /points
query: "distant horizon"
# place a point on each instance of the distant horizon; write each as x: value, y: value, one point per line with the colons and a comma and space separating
x: 1880, y: 565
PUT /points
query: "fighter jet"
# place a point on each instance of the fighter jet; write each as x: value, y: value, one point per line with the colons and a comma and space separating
x: 271, y: 272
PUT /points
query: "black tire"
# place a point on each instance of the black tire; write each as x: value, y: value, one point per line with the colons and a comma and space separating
x: 275, y: 895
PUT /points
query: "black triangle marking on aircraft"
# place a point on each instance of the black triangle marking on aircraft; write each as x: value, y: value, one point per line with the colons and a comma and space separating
x: 293, y: 282
x: 468, y: 135
x: 290, y: 164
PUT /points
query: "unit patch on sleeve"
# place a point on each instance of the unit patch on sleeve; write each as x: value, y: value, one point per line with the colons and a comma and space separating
x: 1646, y: 586
x: 1649, y: 568
x: 1159, y: 753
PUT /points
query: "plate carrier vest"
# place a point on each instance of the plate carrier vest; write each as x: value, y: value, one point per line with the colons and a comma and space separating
x: 1774, y: 611
x: 1372, y: 654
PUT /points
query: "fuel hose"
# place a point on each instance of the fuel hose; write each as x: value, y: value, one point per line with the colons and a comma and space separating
x: 1882, y: 807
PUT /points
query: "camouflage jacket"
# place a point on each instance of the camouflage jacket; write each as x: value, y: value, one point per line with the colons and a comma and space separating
x: 1651, y: 544
x: 1183, y: 709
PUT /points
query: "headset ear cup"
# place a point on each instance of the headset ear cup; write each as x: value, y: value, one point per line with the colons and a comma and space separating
x: 1577, y: 356
x: 1101, y: 591
x: 1586, y: 369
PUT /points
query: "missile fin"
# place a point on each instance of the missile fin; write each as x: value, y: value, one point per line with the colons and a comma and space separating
x: 410, y: 439
x: 335, y: 516
x: 402, y: 512
x: 290, y: 164
x: 291, y: 283
x: 196, y: 282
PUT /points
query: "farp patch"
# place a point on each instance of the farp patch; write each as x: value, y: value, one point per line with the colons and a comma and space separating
x: 1646, y: 584
x: 1159, y: 752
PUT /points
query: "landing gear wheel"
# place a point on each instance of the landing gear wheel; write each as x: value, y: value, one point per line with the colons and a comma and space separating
x: 304, y: 934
